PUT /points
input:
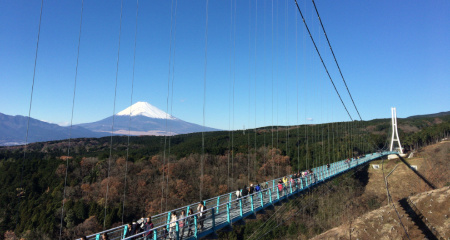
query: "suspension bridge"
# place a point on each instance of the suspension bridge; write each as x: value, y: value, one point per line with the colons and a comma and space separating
x: 225, y: 210
x: 222, y: 211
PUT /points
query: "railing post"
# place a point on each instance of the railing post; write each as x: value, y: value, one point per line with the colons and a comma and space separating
x: 301, y: 182
x: 218, y: 203
x: 125, y: 231
x: 273, y: 183
x: 213, y: 220
x: 155, y: 234
x: 228, y: 212
x: 270, y: 196
x: 290, y: 185
x: 240, y: 207
x: 230, y: 200
x: 261, y: 197
x: 97, y: 237
x: 306, y: 181
x: 195, y: 227
x: 177, y: 230
x: 278, y: 193
x: 168, y: 220
x: 251, y: 202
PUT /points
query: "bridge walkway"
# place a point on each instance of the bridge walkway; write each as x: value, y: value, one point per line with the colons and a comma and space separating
x: 224, y: 210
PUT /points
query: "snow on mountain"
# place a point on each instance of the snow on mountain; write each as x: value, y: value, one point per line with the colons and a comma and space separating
x: 145, y: 120
x: 145, y: 109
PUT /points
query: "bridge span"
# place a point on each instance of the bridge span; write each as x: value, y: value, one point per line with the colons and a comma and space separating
x: 224, y: 210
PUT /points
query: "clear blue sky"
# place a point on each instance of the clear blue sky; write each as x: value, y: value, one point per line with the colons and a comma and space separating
x: 392, y: 53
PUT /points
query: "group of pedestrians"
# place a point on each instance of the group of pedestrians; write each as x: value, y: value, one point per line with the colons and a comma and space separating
x: 185, y: 224
x: 143, y: 225
x: 245, y: 192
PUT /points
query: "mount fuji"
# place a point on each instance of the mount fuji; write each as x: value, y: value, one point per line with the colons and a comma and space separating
x: 142, y: 118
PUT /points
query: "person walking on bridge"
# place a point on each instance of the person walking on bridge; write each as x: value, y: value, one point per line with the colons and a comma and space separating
x: 201, y: 209
x: 182, y: 224
x: 147, y: 227
x: 173, y: 226
x: 285, y: 184
x: 244, y: 194
x: 238, y: 196
x: 189, y: 221
x: 280, y: 188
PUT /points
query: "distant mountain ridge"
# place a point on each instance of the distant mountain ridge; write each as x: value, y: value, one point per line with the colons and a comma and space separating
x: 13, y: 130
x: 142, y: 118
x: 440, y: 114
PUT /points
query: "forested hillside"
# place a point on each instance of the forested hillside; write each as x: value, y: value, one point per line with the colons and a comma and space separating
x: 165, y: 172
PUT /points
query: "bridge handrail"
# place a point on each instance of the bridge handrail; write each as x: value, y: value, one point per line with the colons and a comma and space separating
x: 318, y: 174
x: 195, y: 214
x: 105, y: 231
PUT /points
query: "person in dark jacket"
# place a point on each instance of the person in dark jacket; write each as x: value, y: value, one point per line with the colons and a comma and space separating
x: 128, y: 233
x: 134, y: 229
x: 244, y: 194
x: 147, y: 227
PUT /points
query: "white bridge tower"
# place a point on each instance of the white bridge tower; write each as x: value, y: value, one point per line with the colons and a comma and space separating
x: 395, y: 137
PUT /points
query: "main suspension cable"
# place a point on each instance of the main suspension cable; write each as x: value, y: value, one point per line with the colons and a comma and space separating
x: 323, y: 63
x: 329, y: 44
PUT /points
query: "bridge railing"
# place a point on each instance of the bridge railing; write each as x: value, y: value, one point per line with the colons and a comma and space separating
x: 227, y: 207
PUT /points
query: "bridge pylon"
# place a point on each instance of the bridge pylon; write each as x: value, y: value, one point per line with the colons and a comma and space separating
x: 395, y: 137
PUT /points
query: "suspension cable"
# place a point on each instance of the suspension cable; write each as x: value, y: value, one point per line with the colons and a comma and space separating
x: 171, y: 98
x: 264, y: 124
x: 164, y: 194
x: 323, y: 63
x: 229, y: 98
x: 131, y: 103
x: 272, y: 149
x: 296, y: 78
x: 329, y: 44
x: 256, y: 37
x: 71, y: 122
x: 29, y: 109
x: 249, y: 93
x: 278, y: 85
x: 286, y: 17
x: 234, y: 84
x: 204, y: 102
x: 114, y: 110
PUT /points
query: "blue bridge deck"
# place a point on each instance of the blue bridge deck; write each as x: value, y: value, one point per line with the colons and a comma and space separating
x: 224, y: 210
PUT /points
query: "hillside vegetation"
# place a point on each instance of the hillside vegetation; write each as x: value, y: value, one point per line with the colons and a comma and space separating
x: 165, y: 172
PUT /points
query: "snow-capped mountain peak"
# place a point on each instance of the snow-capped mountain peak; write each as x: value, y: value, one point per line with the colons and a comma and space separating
x: 145, y: 109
